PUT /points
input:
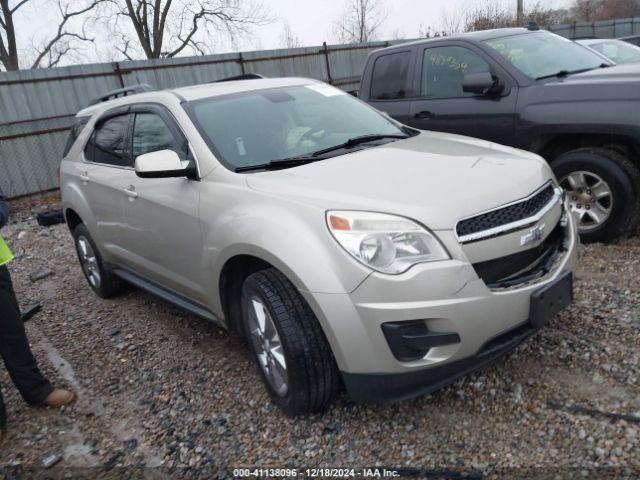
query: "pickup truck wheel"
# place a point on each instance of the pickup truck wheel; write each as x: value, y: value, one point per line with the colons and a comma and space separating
x: 292, y: 353
x: 602, y: 188
x: 100, y: 279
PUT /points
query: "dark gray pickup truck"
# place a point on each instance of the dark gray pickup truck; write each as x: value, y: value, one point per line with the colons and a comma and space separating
x: 533, y: 90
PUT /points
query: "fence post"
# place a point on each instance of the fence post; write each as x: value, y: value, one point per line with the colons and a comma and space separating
x: 241, y: 62
x: 118, y: 72
x: 326, y: 61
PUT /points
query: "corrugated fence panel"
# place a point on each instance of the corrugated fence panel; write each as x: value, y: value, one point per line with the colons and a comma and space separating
x: 621, y: 27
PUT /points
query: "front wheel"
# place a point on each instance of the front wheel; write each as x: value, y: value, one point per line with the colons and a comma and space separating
x: 293, y: 355
x: 602, y: 188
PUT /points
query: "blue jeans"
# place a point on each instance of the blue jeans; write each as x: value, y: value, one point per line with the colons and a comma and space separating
x: 15, y: 351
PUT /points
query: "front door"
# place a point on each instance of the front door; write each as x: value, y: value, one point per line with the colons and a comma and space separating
x: 162, y: 215
x: 443, y: 106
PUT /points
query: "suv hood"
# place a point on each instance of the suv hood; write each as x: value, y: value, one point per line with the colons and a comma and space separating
x: 435, y: 178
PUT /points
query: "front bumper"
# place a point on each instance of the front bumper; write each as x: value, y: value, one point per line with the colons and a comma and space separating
x: 379, y: 388
x: 450, y: 297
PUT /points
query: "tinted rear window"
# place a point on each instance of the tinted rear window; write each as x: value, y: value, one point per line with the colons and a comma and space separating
x: 78, y: 124
x: 389, y: 79
x: 107, y: 143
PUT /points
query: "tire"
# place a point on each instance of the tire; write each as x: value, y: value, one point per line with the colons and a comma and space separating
x: 104, y: 283
x: 619, y: 215
x: 311, y: 375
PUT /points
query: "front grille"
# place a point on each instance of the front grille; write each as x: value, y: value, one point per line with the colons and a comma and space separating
x: 523, y: 267
x: 504, y: 216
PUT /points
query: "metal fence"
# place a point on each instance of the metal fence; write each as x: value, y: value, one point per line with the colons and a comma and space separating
x: 621, y: 27
x: 37, y: 106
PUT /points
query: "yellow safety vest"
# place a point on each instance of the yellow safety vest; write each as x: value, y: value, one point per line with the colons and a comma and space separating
x: 5, y: 254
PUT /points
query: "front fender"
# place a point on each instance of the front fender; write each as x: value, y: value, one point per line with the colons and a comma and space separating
x: 292, y: 237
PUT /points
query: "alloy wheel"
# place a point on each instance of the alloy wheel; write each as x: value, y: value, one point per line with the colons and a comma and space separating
x: 89, y: 261
x: 267, y: 345
x: 590, y: 198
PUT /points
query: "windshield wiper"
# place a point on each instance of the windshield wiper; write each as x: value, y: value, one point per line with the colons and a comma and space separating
x: 318, y: 155
x: 280, y: 163
x: 564, y: 73
x: 352, y: 142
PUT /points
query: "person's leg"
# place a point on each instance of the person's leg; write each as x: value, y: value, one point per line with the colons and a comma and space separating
x: 3, y: 413
x: 14, y: 347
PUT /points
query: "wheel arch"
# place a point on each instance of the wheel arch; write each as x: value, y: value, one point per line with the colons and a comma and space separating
x: 552, y: 146
x: 72, y: 219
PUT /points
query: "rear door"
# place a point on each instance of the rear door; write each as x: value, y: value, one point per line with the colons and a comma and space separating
x: 442, y: 105
x: 163, y: 240
x: 390, y: 84
x: 105, y: 167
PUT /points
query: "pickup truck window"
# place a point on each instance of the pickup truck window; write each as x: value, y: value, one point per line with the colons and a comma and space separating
x: 544, y: 54
x: 443, y: 69
x: 389, y: 78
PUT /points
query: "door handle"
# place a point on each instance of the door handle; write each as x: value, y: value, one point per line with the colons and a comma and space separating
x: 83, y: 175
x: 130, y: 192
x: 424, y: 114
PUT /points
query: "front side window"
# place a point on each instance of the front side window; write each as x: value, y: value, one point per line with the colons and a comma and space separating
x: 444, y: 68
x: 389, y: 78
x: 543, y: 54
x: 151, y: 134
x: 107, y: 143
x: 255, y: 127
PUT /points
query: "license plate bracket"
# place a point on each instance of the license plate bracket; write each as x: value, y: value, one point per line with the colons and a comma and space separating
x: 547, y: 301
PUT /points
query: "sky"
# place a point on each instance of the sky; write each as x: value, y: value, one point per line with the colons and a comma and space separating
x: 312, y: 21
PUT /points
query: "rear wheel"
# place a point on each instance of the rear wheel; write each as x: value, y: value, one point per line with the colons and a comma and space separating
x: 602, y: 187
x: 290, y: 348
x: 100, y: 279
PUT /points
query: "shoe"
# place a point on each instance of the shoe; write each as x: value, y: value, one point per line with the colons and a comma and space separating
x: 59, y: 398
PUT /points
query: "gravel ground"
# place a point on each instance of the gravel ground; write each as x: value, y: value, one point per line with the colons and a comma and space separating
x: 160, y: 388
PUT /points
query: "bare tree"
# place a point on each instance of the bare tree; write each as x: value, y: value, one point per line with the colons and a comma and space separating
x: 361, y: 21
x: 489, y: 15
x: 166, y: 28
x: 619, y: 9
x: 587, y: 10
x: 289, y: 39
x: 50, y: 51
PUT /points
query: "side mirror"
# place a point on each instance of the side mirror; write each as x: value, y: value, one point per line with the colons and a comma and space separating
x: 162, y: 164
x: 481, y: 84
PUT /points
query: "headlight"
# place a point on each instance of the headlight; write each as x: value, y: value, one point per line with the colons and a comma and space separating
x: 386, y: 243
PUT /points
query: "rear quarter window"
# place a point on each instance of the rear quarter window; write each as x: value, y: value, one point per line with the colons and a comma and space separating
x: 389, y: 77
x: 78, y: 125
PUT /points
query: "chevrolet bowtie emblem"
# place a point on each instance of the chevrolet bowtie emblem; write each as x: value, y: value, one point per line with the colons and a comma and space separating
x: 533, y: 236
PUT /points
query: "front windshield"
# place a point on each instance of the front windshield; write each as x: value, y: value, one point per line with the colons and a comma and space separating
x: 256, y: 127
x: 544, y: 54
x: 618, y: 51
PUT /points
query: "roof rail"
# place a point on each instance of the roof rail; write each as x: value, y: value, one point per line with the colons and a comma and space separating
x: 122, y: 92
x: 245, y: 76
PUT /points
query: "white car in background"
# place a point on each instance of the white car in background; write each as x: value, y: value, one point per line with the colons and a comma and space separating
x: 617, y: 51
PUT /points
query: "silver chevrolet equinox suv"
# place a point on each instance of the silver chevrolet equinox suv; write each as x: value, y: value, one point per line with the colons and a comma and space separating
x: 349, y: 249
